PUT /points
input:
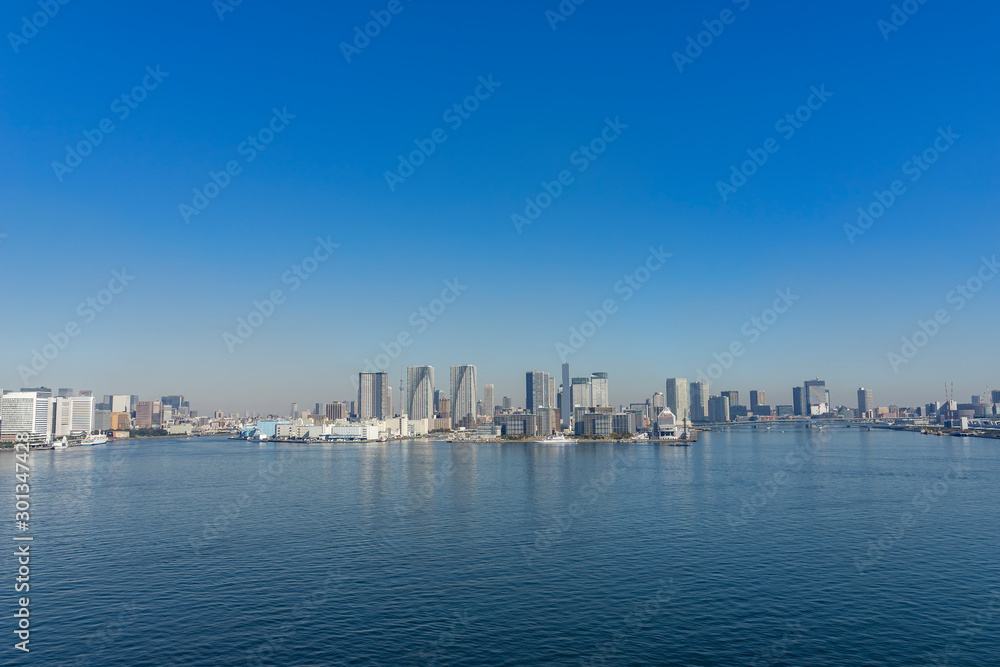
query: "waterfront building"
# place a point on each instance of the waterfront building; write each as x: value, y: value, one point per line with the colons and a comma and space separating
x: 464, y: 387
x: 25, y: 412
x: 593, y: 423
x: 699, y: 401
x: 624, y: 423
x: 718, y: 409
x: 374, y: 399
x: 760, y: 410
x: 547, y: 421
x: 666, y: 424
x: 580, y: 393
x: 866, y: 403
x: 121, y: 421
x: 102, y: 420
x: 420, y: 392
x: 517, y: 423
x: 536, y: 390
x: 797, y: 404
x: 444, y: 409
x: 785, y: 411
x: 144, y: 414
x: 73, y: 415
x: 677, y: 397
x: 757, y: 398
x: 599, y: 390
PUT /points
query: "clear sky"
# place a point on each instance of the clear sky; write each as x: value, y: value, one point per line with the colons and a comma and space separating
x: 677, y: 124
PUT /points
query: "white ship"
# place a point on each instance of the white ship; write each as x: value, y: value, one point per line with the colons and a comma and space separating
x: 60, y: 444
x: 556, y: 439
x: 94, y: 440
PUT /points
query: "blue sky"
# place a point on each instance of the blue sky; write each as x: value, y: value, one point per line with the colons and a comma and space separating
x: 656, y: 184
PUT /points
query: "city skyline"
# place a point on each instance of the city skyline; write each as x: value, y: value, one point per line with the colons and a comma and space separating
x: 848, y: 396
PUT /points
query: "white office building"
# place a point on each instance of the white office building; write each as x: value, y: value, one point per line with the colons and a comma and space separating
x: 73, y: 415
x: 26, y: 412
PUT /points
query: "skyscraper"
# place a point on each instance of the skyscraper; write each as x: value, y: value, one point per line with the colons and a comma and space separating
x: 798, y: 407
x: 733, y: 396
x: 699, y: 401
x: 489, y: 401
x: 659, y: 402
x: 580, y: 394
x: 757, y: 398
x: 506, y: 403
x: 599, y: 389
x: 677, y: 398
x: 420, y: 392
x: 815, y: 396
x: 463, y: 396
x: 865, y: 402
x: 567, y: 400
x: 536, y: 389
x: 374, y: 399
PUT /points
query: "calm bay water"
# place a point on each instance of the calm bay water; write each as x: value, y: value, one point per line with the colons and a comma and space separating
x: 841, y: 547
